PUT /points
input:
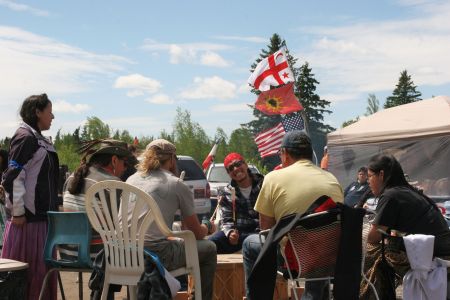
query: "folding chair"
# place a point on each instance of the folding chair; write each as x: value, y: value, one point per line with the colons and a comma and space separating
x: 123, y: 233
x: 67, y: 228
x: 312, y: 248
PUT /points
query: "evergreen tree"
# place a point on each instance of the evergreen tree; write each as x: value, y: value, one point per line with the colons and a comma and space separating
x: 373, y: 105
x: 262, y: 121
x: 350, y: 122
x: 314, y: 107
x: 304, y: 89
x: 404, y: 92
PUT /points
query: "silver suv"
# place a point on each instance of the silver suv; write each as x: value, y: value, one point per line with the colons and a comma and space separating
x: 195, y: 179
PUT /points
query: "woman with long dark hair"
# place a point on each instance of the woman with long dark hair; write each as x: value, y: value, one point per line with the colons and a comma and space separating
x: 401, y: 208
x: 101, y: 160
x: 31, y: 185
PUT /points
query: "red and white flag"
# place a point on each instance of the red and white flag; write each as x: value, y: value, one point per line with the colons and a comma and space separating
x: 210, y: 158
x: 269, y: 141
x: 271, y: 71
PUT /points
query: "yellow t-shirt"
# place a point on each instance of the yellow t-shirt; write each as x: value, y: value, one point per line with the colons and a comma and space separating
x: 294, y: 188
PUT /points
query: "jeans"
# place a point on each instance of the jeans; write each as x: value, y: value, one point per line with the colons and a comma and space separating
x: 251, y: 247
x: 223, y: 245
x: 171, y: 253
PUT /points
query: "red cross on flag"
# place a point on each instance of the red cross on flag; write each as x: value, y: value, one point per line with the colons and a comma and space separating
x: 271, y: 71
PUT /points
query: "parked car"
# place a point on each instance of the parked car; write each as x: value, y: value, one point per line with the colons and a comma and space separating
x: 218, y: 179
x: 196, y: 181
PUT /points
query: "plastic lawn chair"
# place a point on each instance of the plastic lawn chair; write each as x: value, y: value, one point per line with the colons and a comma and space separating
x: 68, y: 228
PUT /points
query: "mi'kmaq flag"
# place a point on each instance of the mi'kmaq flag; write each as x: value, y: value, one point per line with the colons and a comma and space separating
x: 271, y: 71
x: 210, y: 158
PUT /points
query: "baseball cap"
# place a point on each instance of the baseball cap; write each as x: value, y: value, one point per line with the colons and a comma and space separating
x: 295, y: 139
x: 162, y: 146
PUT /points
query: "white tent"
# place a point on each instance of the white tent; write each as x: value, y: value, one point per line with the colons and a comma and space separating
x: 417, y: 134
x: 429, y: 117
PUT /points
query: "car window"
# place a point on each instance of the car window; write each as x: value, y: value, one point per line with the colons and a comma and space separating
x: 193, y: 171
x: 218, y: 174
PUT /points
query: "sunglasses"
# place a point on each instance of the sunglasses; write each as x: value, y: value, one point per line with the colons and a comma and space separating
x: 235, y: 165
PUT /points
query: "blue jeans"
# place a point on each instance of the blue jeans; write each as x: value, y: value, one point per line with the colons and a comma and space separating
x: 223, y: 245
x: 251, y: 247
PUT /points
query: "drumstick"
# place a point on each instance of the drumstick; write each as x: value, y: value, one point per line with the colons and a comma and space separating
x: 233, y: 201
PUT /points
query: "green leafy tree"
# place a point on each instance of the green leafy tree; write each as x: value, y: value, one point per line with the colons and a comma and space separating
x: 66, y: 145
x: 373, y: 105
x: 189, y: 137
x: 222, y: 149
x: 241, y: 141
x: 404, y: 92
x: 4, y: 143
x: 95, y: 129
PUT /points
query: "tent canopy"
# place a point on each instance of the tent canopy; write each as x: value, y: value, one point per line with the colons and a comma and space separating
x: 430, y: 117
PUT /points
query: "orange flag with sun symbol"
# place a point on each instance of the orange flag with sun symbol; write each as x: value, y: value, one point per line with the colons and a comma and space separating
x: 278, y: 101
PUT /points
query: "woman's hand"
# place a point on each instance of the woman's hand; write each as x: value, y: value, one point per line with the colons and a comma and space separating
x: 19, y: 221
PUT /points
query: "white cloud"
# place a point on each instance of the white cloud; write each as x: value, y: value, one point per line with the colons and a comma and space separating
x: 230, y: 107
x: 32, y: 62
x: 213, y: 59
x: 191, y: 53
x: 251, y: 39
x: 138, y: 84
x: 64, y: 106
x: 160, y: 99
x: 244, y: 89
x: 367, y: 57
x: 210, y: 88
x: 24, y: 8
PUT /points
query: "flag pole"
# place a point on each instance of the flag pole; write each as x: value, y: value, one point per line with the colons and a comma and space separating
x: 302, y: 112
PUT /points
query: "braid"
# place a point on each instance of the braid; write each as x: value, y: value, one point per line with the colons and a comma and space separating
x: 77, y: 184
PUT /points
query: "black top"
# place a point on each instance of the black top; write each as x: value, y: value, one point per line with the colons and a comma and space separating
x: 402, y: 209
x: 354, y: 192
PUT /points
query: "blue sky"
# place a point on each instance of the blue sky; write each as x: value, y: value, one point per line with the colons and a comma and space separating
x: 132, y: 63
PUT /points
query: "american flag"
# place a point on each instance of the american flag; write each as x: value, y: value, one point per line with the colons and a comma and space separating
x: 293, y: 122
x: 269, y: 141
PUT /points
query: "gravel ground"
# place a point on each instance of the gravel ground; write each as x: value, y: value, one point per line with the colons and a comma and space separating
x: 70, y: 283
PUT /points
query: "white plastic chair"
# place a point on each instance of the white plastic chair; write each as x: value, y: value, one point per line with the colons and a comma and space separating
x: 124, y: 243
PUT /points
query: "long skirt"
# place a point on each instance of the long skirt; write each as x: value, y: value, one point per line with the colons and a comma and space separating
x: 26, y: 244
x: 385, y: 275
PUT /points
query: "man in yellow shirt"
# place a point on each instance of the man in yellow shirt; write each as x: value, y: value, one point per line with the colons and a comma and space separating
x: 291, y: 190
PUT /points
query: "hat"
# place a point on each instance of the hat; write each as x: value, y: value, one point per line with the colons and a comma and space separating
x: 295, y: 139
x: 162, y: 146
x: 105, y: 146
x: 232, y: 157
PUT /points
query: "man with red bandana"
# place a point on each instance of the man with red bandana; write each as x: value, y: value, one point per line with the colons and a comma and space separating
x: 239, y: 219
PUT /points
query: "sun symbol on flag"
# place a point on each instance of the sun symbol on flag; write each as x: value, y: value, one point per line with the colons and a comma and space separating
x: 274, y: 103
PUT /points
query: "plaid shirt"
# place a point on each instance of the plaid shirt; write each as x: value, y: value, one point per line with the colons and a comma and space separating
x: 247, y: 219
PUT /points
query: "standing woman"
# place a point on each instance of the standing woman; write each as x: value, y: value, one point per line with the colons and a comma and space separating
x: 31, y: 185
